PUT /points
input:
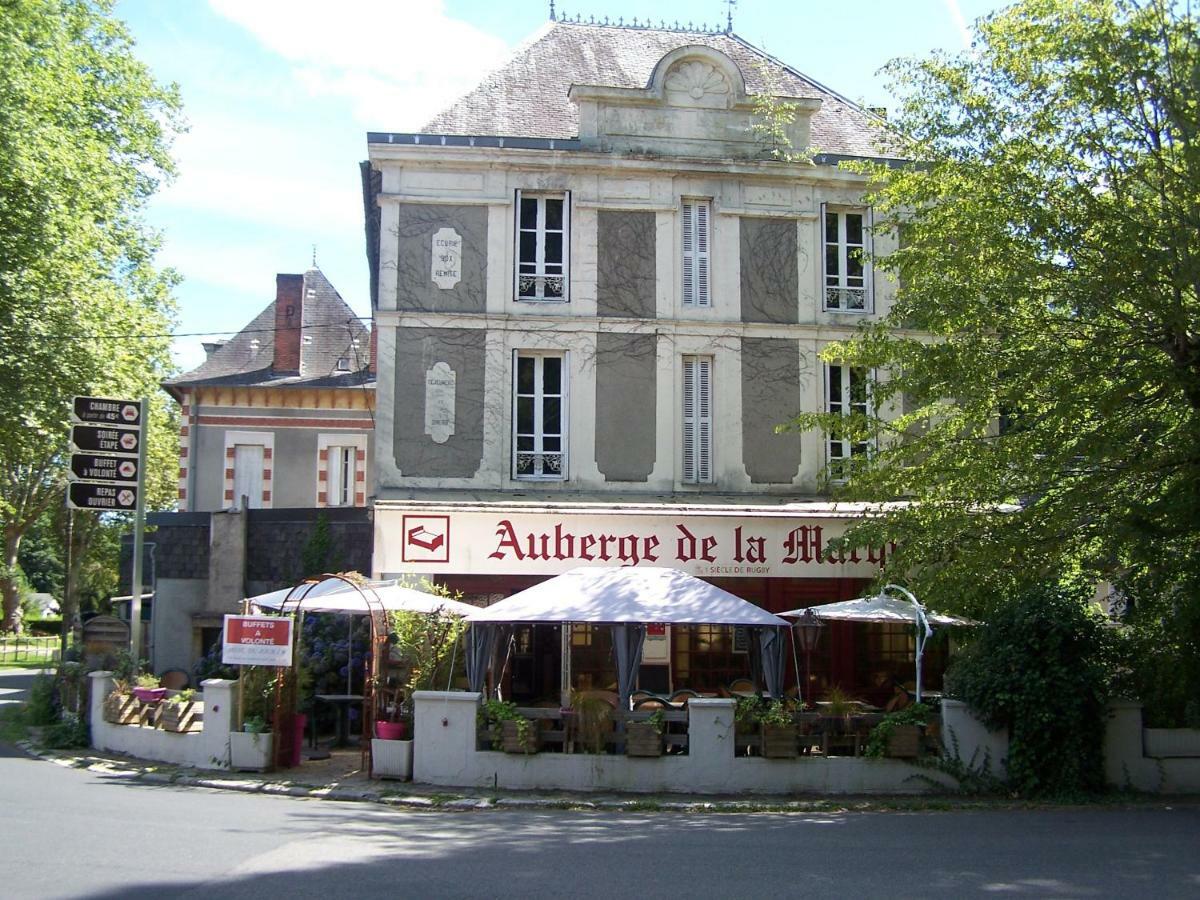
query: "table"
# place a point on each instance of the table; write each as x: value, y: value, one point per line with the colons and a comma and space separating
x: 343, y: 702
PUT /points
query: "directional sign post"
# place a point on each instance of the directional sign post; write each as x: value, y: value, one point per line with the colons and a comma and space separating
x: 107, y: 473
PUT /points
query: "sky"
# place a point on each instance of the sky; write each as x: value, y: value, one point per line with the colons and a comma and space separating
x: 280, y: 94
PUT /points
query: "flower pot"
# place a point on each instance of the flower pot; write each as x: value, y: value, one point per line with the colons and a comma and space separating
x: 904, y: 742
x: 511, y: 740
x: 120, y: 709
x: 391, y: 731
x: 149, y: 695
x: 642, y: 739
x: 181, y: 717
x: 779, y: 741
x: 392, y: 759
x: 250, y: 751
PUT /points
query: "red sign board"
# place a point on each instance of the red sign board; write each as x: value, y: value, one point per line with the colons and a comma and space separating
x: 257, y: 641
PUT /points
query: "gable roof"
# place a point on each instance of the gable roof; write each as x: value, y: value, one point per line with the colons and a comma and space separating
x: 527, y: 96
x: 328, y: 330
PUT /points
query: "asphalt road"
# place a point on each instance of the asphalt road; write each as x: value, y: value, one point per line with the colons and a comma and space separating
x: 73, y: 833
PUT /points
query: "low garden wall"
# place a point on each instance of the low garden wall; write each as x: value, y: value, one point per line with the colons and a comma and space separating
x: 207, y: 748
x: 444, y: 753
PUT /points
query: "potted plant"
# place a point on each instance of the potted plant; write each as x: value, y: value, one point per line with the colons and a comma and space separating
x: 181, y: 712
x: 592, y: 720
x: 147, y: 689
x: 899, y: 735
x: 746, y: 712
x: 779, y: 732
x: 250, y: 749
x: 120, y: 706
x: 507, y: 729
x: 644, y: 739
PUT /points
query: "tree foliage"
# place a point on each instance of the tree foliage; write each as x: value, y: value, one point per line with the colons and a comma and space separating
x: 1043, y: 405
x: 1041, y: 669
x: 84, y: 139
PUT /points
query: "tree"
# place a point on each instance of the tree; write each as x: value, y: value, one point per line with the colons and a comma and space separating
x: 84, y: 139
x: 1044, y: 347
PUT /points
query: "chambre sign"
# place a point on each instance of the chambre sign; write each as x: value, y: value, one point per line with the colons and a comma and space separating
x: 511, y: 543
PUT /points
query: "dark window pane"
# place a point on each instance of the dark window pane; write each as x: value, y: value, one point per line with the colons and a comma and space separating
x: 854, y: 228
x: 835, y: 384
x: 525, y: 374
x: 528, y: 246
x: 528, y: 213
x: 831, y: 262
x: 554, y: 245
x: 525, y: 443
x: 854, y: 265
x: 551, y: 424
x: 525, y: 415
x: 858, y: 386
x: 831, y: 228
x: 554, y: 215
x: 551, y: 443
x: 552, y: 375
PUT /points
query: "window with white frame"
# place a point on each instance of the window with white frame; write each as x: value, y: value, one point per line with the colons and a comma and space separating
x: 340, y: 476
x: 543, y: 239
x: 247, y: 476
x: 847, y: 393
x: 847, y: 273
x: 540, y: 416
x: 696, y: 217
x: 697, y: 419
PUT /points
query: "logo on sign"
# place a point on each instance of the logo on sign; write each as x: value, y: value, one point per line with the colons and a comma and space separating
x: 129, y: 412
x: 129, y: 441
x: 127, y: 469
x: 426, y: 539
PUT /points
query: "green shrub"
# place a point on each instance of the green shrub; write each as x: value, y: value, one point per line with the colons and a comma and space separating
x: 917, y: 714
x: 1042, y: 667
x: 42, y: 708
x: 69, y: 734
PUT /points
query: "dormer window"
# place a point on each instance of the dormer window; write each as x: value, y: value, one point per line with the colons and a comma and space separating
x: 343, y: 364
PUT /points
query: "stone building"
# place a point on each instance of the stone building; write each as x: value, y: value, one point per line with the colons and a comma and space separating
x: 598, y: 294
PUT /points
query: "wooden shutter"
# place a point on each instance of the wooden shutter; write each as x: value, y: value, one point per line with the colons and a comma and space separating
x: 697, y: 419
x: 696, y: 217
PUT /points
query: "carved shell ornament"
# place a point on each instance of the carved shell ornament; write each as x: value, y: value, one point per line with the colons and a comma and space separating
x: 696, y: 78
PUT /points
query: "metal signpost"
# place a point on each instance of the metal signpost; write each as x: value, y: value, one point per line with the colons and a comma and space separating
x: 108, y: 465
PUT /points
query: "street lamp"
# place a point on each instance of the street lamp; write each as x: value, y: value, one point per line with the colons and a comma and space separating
x: 808, y: 627
x: 924, y: 632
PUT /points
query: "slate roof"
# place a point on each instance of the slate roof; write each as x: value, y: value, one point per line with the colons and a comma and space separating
x: 248, y: 357
x: 527, y: 96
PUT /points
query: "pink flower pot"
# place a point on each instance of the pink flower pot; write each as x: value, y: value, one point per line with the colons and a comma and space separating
x: 390, y: 731
x: 149, y: 695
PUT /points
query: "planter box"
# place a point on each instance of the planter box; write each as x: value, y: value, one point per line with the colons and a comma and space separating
x: 642, y: 739
x: 250, y: 752
x: 392, y: 759
x: 780, y: 741
x: 904, y: 742
x: 181, y: 717
x: 1166, y: 743
x: 510, y: 738
x: 121, y: 709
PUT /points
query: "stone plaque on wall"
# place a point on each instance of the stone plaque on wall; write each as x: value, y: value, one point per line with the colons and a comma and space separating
x: 447, y: 258
x: 440, y: 385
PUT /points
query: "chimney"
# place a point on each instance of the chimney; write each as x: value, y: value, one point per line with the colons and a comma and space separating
x: 211, y: 347
x: 289, y: 313
x: 372, y: 365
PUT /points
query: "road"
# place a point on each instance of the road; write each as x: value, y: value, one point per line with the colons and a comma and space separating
x: 72, y: 833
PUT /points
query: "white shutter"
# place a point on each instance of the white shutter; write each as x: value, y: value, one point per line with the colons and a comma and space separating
x: 247, y: 475
x: 697, y: 419
x: 696, y: 216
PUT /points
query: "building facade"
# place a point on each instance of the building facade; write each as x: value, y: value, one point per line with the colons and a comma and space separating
x: 599, y: 298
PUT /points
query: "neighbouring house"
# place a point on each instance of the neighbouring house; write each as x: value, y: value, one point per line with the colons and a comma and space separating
x: 275, y: 434
x: 598, y: 295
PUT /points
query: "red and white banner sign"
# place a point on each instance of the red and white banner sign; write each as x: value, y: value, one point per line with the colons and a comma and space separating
x: 510, y: 543
x: 257, y: 641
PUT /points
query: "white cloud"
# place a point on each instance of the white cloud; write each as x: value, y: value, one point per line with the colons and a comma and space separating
x: 960, y: 22
x: 397, y: 63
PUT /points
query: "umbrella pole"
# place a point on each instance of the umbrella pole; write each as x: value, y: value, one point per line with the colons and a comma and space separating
x: 564, y: 680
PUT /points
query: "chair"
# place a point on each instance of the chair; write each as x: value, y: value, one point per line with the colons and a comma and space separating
x: 742, y: 686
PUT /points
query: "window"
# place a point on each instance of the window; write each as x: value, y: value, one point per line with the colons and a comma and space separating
x: 248, y: 475
x: 539, y: 417
x: 847, y: 273
x: 697, y: 419
x: 340, y: 476
x: 848, y: 391
x: 542, y: 242
x: 696, y: 216
x: 343, y: 364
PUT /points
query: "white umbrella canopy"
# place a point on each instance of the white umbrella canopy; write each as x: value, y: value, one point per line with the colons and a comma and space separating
x: 336, y: 596
x: 626, y: 594
x: 878, y: 609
